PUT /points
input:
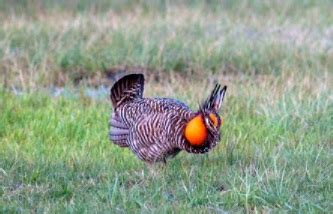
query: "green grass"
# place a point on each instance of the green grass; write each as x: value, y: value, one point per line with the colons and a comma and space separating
x: 275, y: 155
x: 275, y: 56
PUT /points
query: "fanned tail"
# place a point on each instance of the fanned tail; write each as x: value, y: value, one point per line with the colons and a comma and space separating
x: 126, y: 89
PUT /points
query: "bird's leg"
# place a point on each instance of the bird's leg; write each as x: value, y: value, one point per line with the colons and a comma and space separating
x: 150, y: 167
x: 154, y: 168
x: 163, y: 164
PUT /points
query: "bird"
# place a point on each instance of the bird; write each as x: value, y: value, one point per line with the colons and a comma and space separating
x: 157, y: 129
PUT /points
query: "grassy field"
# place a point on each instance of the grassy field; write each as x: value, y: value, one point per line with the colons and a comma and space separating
x: 277, y: 141
x: 55, y: 47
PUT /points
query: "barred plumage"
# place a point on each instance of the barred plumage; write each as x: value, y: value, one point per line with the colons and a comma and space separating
x: 156, y: 128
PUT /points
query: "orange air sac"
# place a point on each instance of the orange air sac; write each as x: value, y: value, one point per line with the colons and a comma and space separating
x: 196, y: 131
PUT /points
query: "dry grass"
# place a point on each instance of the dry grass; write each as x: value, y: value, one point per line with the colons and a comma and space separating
x: 58, y: 48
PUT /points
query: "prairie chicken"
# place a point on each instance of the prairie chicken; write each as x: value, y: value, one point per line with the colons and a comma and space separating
x: 157, y: 128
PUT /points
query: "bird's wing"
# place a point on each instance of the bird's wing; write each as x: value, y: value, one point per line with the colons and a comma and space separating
x: 148, y: 138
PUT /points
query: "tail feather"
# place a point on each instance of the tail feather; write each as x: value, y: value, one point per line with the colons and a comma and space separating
x: 118, y: 133
x: 215, y: 99
x: 127, y: 88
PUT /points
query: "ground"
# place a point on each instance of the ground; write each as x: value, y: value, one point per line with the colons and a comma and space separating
x: 59, y: 60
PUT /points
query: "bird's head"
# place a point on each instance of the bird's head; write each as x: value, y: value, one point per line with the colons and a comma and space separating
x: 202, y: 132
